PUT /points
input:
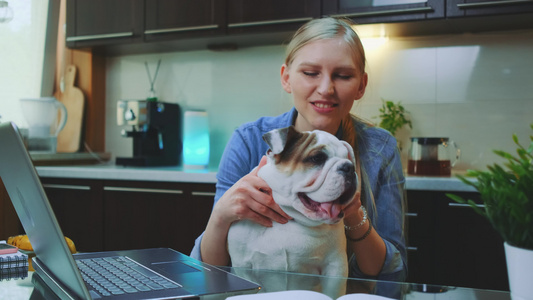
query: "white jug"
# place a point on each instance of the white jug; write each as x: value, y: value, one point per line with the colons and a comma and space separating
x: 43, y: 124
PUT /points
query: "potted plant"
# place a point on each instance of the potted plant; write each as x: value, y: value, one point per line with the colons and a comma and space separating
x: 393, y: 117
x: 507, y: 194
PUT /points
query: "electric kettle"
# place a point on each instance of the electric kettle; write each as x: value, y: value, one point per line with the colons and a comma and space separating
x: 432, y: 156
x: 43, y: 123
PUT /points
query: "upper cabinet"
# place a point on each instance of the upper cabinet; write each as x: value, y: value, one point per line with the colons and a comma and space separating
x: 384, y: 11
x: 171, y: 19
x: 466, y: 8
x: 246, y: 16
x: 103, y: 22
x: 117, y: 27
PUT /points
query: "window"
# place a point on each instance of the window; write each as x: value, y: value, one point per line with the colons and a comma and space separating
x: 22, y: 56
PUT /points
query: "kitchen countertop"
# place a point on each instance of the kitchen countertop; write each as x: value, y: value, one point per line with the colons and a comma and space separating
x: 447, y: 184
x: 114, y: 172
x: 179, y: 174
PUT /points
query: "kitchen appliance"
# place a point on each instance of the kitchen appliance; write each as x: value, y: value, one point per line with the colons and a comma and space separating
x: 155, y: 131
x: 432, y: 156
x: 41, y: 115
x: 195, y: 140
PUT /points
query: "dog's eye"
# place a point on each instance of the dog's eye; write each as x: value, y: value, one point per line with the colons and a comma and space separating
x: 317, y: 159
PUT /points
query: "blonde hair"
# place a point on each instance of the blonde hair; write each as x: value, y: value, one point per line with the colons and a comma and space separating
x: 327, y: 28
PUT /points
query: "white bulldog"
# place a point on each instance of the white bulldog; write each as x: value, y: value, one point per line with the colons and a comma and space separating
x: 312, y: 177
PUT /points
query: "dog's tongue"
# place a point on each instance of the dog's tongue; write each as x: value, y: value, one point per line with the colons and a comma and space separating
x: 332, y: 209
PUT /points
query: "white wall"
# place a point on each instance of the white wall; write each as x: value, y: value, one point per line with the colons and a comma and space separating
x: 476, y: 89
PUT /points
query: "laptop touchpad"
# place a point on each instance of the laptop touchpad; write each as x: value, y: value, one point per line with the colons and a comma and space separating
x: 174, y: 267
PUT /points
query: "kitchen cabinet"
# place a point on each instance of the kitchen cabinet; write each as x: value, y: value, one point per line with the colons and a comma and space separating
x: 450, y: 244
x: 365, y: 12
x: 121, y: 27
x: 101, y: 215
x: 468, y: 8
x: 253, y: 16
x: 103, y: 22
x: 9, y: 221
x: 174, y: 19
x: 145, y: 215
x: 77, y: 205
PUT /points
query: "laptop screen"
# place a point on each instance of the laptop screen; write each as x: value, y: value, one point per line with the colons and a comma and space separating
x: 35, y: 213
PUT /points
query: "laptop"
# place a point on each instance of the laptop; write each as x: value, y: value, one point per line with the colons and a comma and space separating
x: 171, y: 275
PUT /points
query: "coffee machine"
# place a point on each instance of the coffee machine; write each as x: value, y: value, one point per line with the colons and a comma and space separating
x: 155, y: 131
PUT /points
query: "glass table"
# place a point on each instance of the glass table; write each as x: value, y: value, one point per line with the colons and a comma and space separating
x: 334, y: 287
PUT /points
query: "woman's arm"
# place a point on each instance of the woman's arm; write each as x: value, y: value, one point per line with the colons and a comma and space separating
x: 388, y: 225
x: 382, y: 253
x: 364, y: 241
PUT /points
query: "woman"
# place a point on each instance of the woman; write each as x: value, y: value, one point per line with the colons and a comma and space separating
x: 325, y: 72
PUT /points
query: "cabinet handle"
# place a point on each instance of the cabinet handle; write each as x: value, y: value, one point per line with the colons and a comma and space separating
x: 464, y: 205
x: 209, y: 194
x: 67, y: 186
x: 99, y: 36
x: 269, y: 22
x: 412, y: 248
x: 492, y: 3
x: 413, y: 215
x: 142, y: 190
x: 387, y: 12
x: 180, y: 29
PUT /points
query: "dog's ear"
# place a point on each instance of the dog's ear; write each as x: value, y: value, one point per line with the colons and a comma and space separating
x: 277, y: 138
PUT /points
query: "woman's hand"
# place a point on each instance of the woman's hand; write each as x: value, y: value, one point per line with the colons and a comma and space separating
x: 250, y: 198
x: 353, y: 213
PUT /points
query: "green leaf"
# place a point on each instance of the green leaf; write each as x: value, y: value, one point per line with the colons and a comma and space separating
x: 456, y: 198
x: 507, y: 192
x: 530, y: 148
x: 393, y: 116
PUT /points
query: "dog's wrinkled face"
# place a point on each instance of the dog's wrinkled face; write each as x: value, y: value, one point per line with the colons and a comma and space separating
x: 311, y: 174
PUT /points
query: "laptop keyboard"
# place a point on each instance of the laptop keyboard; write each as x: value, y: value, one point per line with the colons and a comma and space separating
x: 119, y: 275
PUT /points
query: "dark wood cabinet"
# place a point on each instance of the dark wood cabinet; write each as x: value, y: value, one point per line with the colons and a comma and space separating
x: 365, y: 12
x: 103, y: 22
x: 9, y: 221
x: 450, y: 244
x: 174, y: 19
x: 78, y: 205
x: 246, y: 16
x: 145, y: 215
x: 468, y: 241
x: 101, y: 215
x: 120, y: 27
x: 469, y: 8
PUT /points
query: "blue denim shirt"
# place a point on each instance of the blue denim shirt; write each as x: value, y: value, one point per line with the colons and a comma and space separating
x: 380, y: 161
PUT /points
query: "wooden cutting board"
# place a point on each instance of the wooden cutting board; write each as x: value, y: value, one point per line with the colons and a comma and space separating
x: 69, y: 139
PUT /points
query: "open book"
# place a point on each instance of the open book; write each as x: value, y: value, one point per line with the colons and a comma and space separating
x: 307, y: 295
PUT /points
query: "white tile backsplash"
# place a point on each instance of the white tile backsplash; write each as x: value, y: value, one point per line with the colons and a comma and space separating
x: 476, y: 89
x: 406, y: 75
